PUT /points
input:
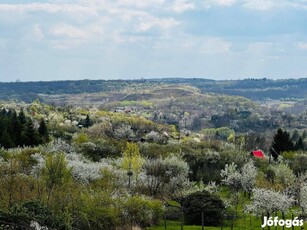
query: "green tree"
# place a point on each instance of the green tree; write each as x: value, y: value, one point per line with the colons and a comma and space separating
x: 281, y: 143
x: 22, y: 117
x: 132, y: 160
x: 295, y: 136
x: 299, y: 145
x: 55, y: 173
x: 203, y: 207
x: 43, y: 131
x: 6, y: 140
x: 30, y: 134
x: 16, y: 129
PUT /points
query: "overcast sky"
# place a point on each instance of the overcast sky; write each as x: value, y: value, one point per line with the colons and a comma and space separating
x: 127, y: 39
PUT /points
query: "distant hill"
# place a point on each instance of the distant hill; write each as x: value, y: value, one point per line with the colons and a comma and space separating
x: 255, y: 89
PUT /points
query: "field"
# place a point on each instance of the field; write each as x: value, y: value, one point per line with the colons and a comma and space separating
x: 175, y: 225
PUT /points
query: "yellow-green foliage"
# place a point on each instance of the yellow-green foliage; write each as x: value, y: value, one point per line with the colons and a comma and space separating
x: 132, y: 160
x: 145, y: 104
x: 81, y: 138
x: 224, y: 132
x: 56, y: 171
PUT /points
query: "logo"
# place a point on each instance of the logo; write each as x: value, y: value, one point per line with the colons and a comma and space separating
x: 280, y: 222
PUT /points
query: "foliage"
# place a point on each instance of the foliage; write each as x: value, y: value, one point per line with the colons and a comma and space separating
x: 78, y: 177
x: 84, y: 170
x: 268, y: 201
x: 19, y: 130
x: 303, y: 197
x: 231, y: 177
x: 132, y: 161
x: 203, y: 203
x: 55, y: 172
x: 248, y: 176
x: 37, y: 211
x: 220, y: 133
x: 283, y: 175
x: 150, y: 215
x: 281, y: 143
x: 164, y: 177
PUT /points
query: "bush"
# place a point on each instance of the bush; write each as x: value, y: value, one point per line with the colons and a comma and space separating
x: 23, y: 214
x: 142, y: 211
x: 210, y: 205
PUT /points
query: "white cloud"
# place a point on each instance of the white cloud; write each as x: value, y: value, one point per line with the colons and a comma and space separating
x: 141, y: 3
x: 261, y: 4
x: 151, y: 22
x: 180, y: 6
x: 69, y: 31
x: 226, y: 2
x: 65, y: 36
x: 273, y: 4
x: 208, y: 3
x: 97, y: 21
x: 72, y: 9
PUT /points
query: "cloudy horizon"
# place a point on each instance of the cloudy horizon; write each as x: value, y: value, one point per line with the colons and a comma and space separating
x: 133, y: 39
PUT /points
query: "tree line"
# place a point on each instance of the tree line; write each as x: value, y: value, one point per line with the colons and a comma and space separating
x: 17, y: 129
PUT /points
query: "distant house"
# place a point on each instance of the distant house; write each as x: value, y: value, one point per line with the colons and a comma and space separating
x: 119, y: 109
x: 257, y: 153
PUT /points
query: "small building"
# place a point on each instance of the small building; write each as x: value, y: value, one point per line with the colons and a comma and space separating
x: 258, y: 154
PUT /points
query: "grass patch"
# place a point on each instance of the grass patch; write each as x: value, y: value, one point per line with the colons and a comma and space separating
x: 239, y: 225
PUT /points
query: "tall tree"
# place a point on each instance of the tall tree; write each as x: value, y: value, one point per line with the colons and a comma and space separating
x: 43, y: 131
x: 132, y: 160
x: 16, y: 129
x: 295, y: 136
x: 30, y: 134
x: 299, y: 145
x: 281, y: 143
x: 22, y: 117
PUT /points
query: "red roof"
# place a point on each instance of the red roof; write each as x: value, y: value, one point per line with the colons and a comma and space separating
x: 258, y: 153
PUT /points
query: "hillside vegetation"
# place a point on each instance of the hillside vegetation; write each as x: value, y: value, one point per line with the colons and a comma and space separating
x: 255, y: 89
x: 145, y: 154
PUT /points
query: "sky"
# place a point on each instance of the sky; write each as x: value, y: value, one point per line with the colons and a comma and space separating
x: 133, y: 39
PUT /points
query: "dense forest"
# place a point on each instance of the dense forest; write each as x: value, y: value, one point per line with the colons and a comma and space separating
x: 150, y: 155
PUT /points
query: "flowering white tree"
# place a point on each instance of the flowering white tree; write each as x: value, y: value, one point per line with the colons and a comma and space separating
x: 268, y: 201
x: 84, y: 170
x: 248, y: 177
x: 155, y: 137
x: 284, y: 175
x: 231, y: 177
x: 303, y: 197
x: 123, y: 132
x: 59, y: 145
x: 163, y: 177
x: 238, y: 180
x: 211, y: 187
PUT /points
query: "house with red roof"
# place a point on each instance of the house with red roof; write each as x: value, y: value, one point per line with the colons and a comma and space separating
x: 258, y: 154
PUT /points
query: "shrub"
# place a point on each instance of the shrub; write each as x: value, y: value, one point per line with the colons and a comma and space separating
x: 210, y: 205
x: 142, y: 211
